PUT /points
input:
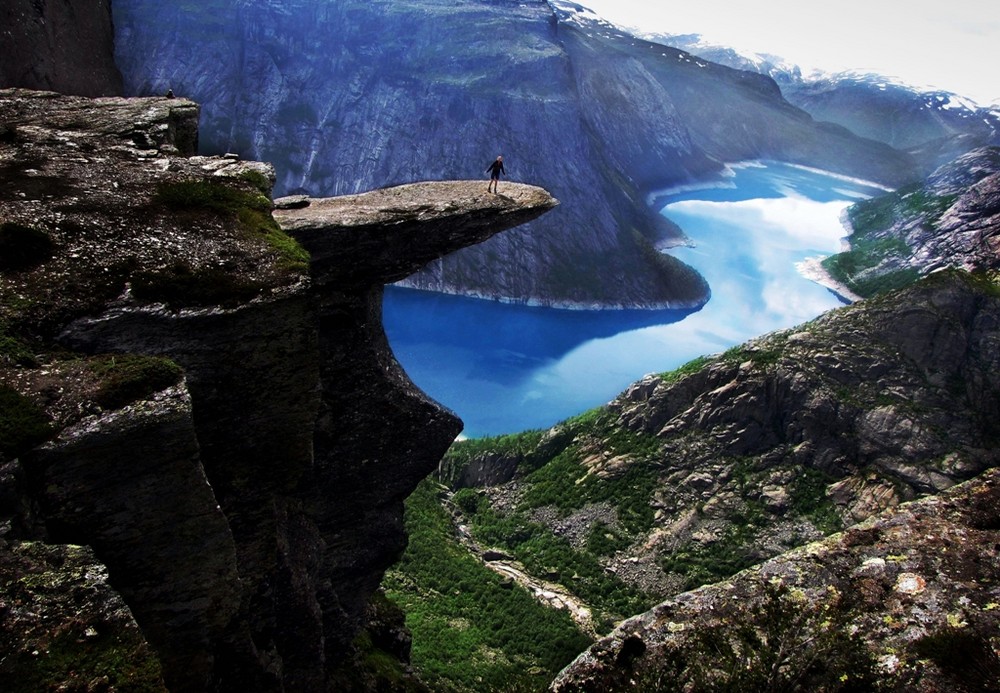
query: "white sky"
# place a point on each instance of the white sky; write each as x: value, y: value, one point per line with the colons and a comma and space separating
x: 952, y: 45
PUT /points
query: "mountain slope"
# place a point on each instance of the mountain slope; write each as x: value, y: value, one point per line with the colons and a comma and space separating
x: 933, y: 125
x: 688, y: 477
x: 730, y: 114
x: 951, y: 220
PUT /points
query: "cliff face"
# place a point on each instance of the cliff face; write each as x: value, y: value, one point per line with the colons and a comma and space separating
x: 59, y: 46
x: 346, y: 96
x: 216, y: 413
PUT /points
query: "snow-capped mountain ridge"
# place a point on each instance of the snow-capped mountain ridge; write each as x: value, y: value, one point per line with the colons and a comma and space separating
x: 933, y: 123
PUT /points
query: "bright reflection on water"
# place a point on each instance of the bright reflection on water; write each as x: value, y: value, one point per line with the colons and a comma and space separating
x: 506, y: 368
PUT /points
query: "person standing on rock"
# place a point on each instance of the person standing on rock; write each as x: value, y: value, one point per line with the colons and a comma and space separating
x: 495, y: 169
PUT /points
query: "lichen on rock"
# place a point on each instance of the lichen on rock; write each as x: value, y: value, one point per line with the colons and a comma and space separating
x: 904, y: 601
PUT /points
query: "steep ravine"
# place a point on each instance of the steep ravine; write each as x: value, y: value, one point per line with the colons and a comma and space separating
x: 210, y: 408
x: 548, y: 593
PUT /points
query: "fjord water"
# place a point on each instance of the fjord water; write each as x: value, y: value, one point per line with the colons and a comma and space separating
x: 506, y: 368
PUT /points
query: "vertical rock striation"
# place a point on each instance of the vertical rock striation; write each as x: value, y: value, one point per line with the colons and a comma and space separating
x: 65, y: 46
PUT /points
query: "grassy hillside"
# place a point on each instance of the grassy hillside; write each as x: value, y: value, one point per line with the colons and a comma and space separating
x: 472, y: 630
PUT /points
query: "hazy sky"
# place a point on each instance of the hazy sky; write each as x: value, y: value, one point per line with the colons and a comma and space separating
x: 952, y: 45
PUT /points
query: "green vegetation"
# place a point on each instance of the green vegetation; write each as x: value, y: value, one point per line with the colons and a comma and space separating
x: 986, y: 282
x: 22, y: 424
x: 242, y: 200
x: 472, y: 631
x: 519, y: 446
x: 257, y: 180
x: 604, y: 540
x: 467, y: 500
x: 127, y: 378
x: 74, y: 663
x: 873, y: 242
x: 251, y: 207
x: 372, y: 664
x: 577, y: 276
x: 23, y: 247
x: 922, y: 203
x: 756, y: 355
x: 564, y: 484
x: 560, y: 479
x: 851, y: 267
x: 504, y: 445
x: 876, y: 213
x: 707, y: 563
x: 880, y: 213
x: 689, y: 368
x: 373, y: 669
x: 555, y: 477
x: 13, y: 351
x: 556, y: 483
x: 180, y: 285
x: 808, y: 498
x: 681, y: 280
x: 551, y: 557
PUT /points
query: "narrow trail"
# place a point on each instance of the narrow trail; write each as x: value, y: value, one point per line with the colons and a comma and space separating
x: 549, y: 593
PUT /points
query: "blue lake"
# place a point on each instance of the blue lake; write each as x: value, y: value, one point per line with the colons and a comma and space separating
x: 506, y: 368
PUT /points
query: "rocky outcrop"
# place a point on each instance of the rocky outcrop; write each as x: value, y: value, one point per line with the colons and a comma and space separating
x: 65, y: 46
x: 901, y: 393
x: 429, y: 90
x: 346, y: 236
x: 687, y: 477
x: 902, y: 602
x: 951, y: 220
x: 216, y: 413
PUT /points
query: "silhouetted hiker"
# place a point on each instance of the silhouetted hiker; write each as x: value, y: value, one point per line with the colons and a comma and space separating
x: 495, y: 169
x: 170, y: 93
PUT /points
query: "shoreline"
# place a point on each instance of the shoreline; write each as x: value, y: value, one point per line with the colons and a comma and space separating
x: 575, y: 306
x: 812, y: 269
